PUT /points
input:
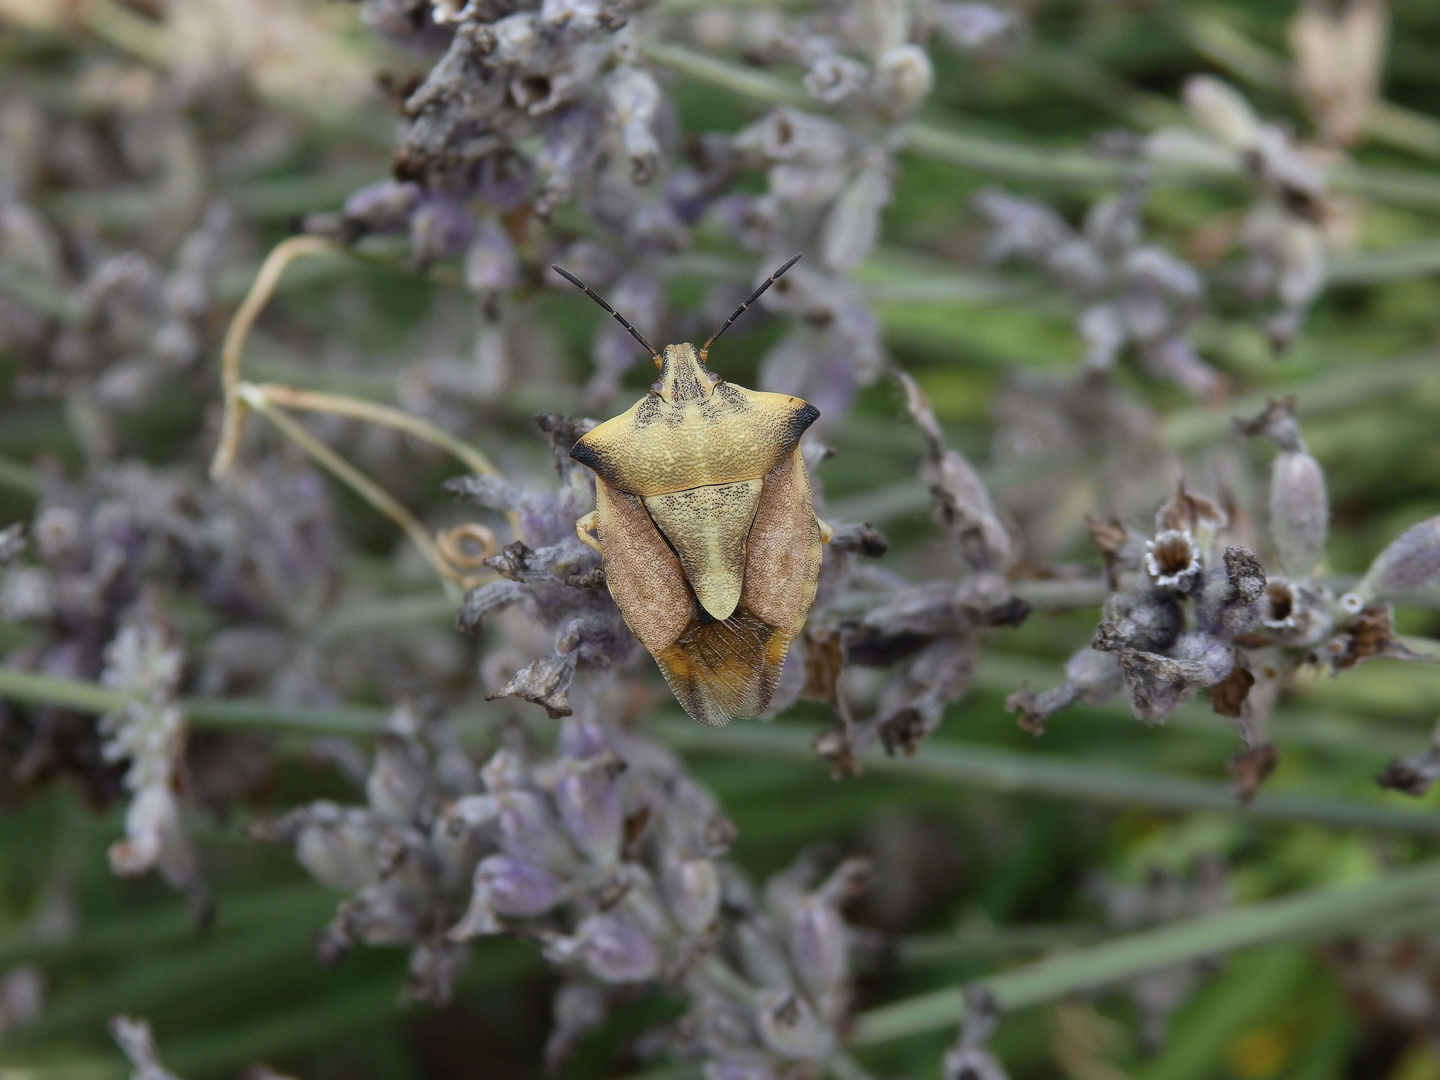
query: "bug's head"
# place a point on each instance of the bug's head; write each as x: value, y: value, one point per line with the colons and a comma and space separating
x: 683, y: 375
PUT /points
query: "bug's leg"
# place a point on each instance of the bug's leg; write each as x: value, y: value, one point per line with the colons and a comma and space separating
x: 589, y: 524
x: 827, y: 532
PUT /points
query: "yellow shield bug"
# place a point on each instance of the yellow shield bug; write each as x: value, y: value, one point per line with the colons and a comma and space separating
x: 704, y: 523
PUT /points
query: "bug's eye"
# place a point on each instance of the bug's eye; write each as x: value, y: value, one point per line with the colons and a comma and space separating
x: 714, y: 378
x: 655, y: 386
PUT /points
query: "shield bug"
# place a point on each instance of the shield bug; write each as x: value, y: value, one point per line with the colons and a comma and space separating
x: 704, y: 522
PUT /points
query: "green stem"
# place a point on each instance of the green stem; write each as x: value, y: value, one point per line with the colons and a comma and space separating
x: 20, y: 477
x: 988, y: 767
x: 1337, y: 391
x: 1019, y: 161
x: 989, y: 942
x: 38, y: 293
x: 30, y: 688
x: 393, y: 613
x: 744, y: 82
x: 1046, y: 775
x: 172, y: 925
x: 1387, y: 264
x: 1061, y: 594
x: 1319, y: 912
x: 148, y: 983
x: 1001, y: 672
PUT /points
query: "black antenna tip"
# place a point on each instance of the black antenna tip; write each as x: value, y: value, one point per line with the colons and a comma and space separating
x: 705, y: 349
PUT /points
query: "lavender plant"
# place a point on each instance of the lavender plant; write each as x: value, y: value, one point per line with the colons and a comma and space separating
x: 264, y: 655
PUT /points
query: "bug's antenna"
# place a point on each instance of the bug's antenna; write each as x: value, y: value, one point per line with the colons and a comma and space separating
x: 705, y: 349
x: 588, y: 291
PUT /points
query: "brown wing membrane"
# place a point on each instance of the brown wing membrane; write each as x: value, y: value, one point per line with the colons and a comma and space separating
x: 642, y: 572
x: 720, y: 670
x: 782, y: 558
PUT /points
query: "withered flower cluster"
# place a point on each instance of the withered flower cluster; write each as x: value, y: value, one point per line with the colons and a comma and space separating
x: 107, y: 552
x: 555, y: 578
x: 932, y: 633
x: 611, y: 857
x: 1191, y: 610
x: 470, y: 181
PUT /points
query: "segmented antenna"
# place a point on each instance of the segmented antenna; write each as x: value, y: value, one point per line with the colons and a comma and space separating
x: 615, y: 314
x: 705, y: 349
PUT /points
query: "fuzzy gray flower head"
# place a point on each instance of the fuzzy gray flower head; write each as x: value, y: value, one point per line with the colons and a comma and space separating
x: 144, y: 664
x: 1299, y: 505
x: 776, y: 992
x: 559, y: 580
x: 1410, y: 562
x: 407, y: 855
x: 1172, y: 624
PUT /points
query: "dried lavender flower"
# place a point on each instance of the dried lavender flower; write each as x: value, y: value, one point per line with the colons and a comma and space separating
x: 1173, y: 561
x: 143, y: 664
x: 558, y: 582
x: 968, y: 1059
x: 12, y: 542
x: 1299, y: 506
x: 138, y: 1044
x: 1284, y: 246
x: 1415, y: 774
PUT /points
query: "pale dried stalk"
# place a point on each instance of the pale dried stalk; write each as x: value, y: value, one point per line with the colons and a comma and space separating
x: 384, y: 415
x: 267, y: 398
x: 367, y: 489
x: 233, y: 424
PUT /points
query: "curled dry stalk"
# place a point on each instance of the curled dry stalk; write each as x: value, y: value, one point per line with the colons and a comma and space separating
x: 453, y: 552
